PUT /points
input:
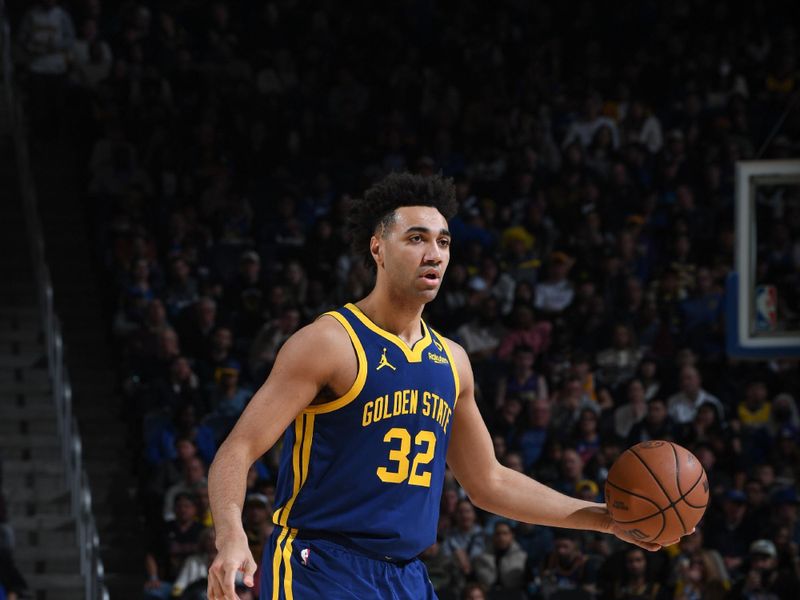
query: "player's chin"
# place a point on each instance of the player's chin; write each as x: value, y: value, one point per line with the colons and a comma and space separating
x: 427, y: 294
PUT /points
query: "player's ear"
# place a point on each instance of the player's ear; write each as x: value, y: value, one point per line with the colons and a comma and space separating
x: 376, y: 249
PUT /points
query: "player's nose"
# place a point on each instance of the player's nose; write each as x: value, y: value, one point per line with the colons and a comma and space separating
x: 433, y: 254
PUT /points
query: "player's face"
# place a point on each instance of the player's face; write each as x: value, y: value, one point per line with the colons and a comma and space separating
x: 414, y: 251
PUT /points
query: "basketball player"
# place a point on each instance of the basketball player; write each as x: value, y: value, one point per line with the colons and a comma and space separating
x: 373, y: 402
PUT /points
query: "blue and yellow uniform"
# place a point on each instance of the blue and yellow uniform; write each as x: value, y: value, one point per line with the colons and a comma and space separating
x: 361, y: 476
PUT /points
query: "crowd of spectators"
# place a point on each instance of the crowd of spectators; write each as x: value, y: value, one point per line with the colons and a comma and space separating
x: 593, y: 151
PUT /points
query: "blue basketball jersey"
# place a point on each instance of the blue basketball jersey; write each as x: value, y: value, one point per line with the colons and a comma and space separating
x: 369, y: 466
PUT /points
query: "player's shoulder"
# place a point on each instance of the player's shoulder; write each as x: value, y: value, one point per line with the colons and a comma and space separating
x: 324, y: 336
x: 459, y: 354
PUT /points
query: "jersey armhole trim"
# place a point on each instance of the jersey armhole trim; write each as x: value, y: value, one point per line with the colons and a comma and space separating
x: 361, y: 375
x: 453, y: 366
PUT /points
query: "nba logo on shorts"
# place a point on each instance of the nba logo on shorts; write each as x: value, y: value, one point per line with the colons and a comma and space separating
x: 305, y: 554
x: 766, y: 308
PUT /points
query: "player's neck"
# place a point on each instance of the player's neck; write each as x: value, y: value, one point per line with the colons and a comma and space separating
x: 393, y: 315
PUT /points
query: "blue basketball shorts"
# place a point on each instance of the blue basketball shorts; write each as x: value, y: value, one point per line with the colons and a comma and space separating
x: 300, y: 567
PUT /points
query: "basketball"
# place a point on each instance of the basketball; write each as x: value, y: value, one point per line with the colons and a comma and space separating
x: 657, y: 491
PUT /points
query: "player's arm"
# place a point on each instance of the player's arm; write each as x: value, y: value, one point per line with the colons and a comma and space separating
x: 304, y: 366
x: 502, y: 491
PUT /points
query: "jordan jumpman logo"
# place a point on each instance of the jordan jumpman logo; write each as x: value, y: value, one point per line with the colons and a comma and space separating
x: 384, y: 362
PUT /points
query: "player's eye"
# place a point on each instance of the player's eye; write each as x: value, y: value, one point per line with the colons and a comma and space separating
x: 444, y: 243
x: 415, y: 238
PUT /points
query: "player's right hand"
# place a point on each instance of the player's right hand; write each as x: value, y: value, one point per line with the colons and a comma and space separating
x: 233, y: 556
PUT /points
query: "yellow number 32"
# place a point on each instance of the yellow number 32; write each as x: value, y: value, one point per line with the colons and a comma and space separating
x: 400, y: 456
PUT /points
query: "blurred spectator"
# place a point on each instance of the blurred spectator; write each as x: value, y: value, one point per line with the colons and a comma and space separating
x: 656, y: 425
x: 761, y: 577
x: 683, y: 405
x: 565, y: 568
x: 629, y: 414
x: 474, y: 591
x: 532, y: 439
x: 525, y: 331
x: 445, y: 575
x: 465, y: 541
x: 555, y: 293
x: 170, y: 545
x: 193, y: 474
x: 195, y: 567
x: 502, y: 567
x: 636, y: 583
x: 521, y: 381
x: 257, y: 520
x: 618, y: 362
x: 269, y: 340
x: 228, y: 399
x: 729, y: 533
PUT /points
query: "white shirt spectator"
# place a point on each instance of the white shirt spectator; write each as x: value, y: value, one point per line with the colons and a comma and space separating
x: 583, y: 132
x: 48, y: 35
x: 682, y: 408
x: 554, y: 296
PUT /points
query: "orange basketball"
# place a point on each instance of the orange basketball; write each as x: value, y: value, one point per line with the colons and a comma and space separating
x: 657, y: 491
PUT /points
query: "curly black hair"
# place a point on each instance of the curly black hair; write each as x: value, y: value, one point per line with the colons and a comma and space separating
x: 376, y: 208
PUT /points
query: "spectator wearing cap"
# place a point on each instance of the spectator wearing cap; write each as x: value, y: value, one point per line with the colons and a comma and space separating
x: 683, y: 405
x: 556, y: 292
x: 729, y: 533
x: 520, y: 261
x: 228, y: 399
x: 501, y: 568
x: 761, y: 577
